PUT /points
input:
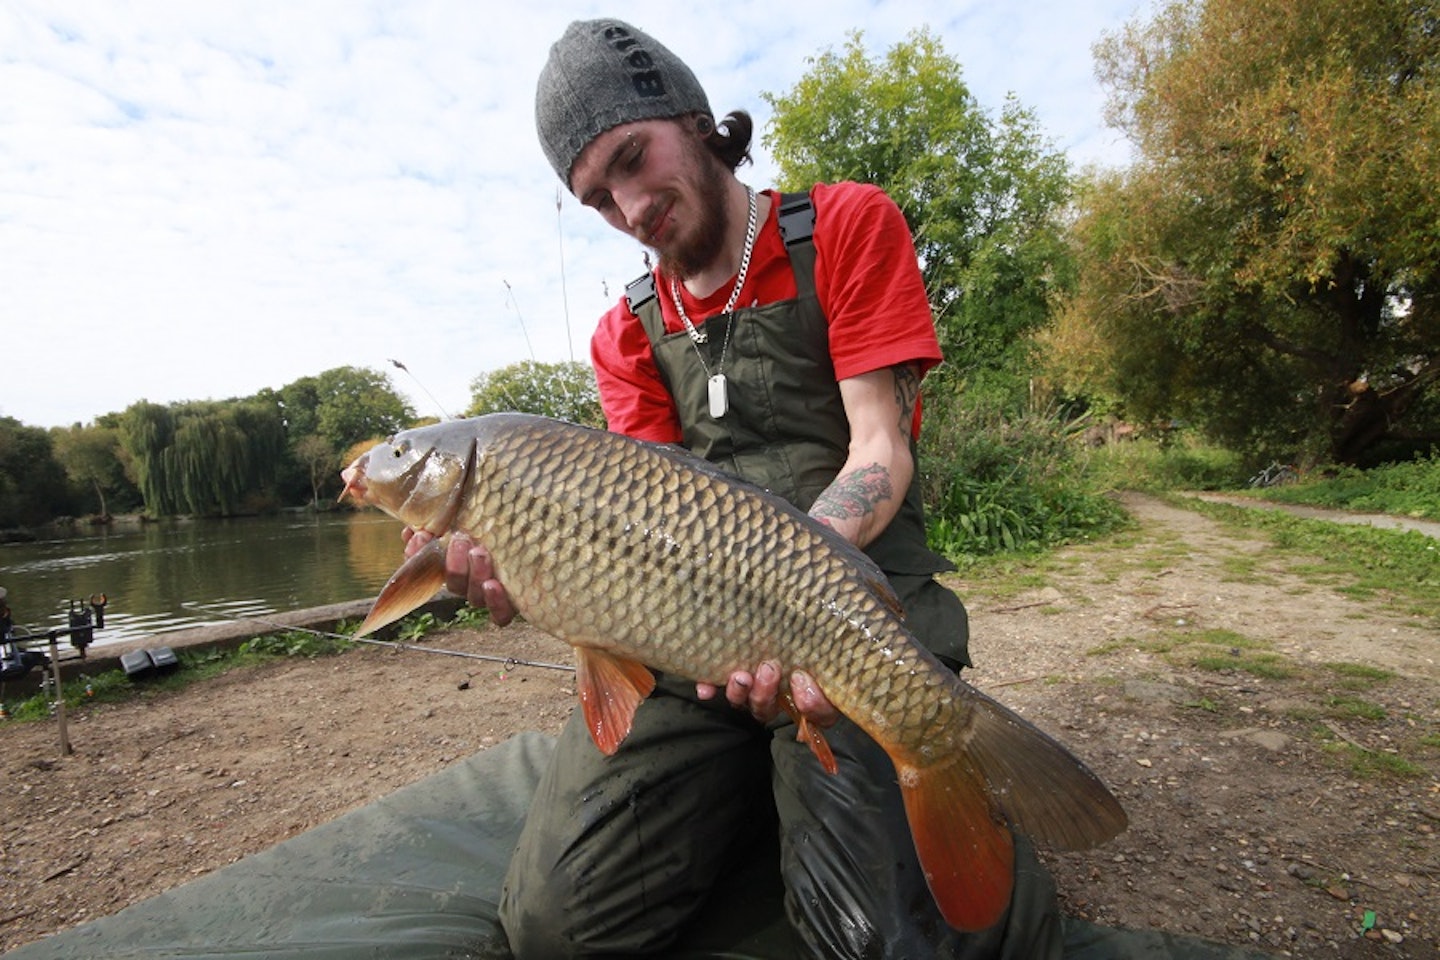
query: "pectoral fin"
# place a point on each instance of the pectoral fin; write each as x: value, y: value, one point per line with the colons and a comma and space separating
x: 611, y: 688
x: 419, y: 578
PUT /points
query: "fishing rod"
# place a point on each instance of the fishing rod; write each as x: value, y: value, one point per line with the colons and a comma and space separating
x: 393, y: 644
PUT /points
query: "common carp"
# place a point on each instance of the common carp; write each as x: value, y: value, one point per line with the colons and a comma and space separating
x: 639, y: 554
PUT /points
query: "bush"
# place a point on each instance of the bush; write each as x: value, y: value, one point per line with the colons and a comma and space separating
x: 1409, y: 489
x: 1174, y: 462
x: 996, y: 483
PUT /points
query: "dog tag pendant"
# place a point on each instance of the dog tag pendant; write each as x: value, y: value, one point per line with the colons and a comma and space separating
x: 719, y: 398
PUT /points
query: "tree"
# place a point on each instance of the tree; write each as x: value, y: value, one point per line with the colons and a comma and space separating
x: 1270, y: 267
x: 355, y: 404
x: 204, y: 458
x: 90, y: 456
x: 566, y: 391
x: 983, y: 197
x: 32, y: 483
x: 334, y: 410
x: 320, y: 461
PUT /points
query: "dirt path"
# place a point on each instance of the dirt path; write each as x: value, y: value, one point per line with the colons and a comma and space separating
x: 1259, y: 815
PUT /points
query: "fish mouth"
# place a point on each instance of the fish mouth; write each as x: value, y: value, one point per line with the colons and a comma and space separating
x: 427, y: 495
x: 354, y: 477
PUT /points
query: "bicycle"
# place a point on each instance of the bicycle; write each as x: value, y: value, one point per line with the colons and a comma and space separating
x: 1276, y: 474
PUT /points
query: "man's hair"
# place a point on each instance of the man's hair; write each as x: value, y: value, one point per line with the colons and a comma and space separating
x: 729, y: 140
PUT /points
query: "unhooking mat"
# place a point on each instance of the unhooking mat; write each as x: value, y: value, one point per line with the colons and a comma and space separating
x: 417, y: 875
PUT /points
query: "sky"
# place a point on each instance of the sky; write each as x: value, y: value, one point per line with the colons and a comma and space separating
x: 203, y: 199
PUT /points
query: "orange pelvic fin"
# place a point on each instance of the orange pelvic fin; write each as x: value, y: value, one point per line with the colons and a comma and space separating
x: 611, y: 688
x: 807, y: 732
x: 966, y: 851
x: 419, y: 578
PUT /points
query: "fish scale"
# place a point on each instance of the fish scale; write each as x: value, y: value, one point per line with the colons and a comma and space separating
x: 722, y: 584
x: 642, y: 556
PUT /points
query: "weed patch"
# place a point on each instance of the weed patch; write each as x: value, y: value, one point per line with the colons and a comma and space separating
x: 112, y: 686
x: 1370, y: 764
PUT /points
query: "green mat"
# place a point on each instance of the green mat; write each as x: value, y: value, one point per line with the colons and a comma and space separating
x: 417, y: 875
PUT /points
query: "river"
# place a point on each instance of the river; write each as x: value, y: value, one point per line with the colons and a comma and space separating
x: 155, y: 575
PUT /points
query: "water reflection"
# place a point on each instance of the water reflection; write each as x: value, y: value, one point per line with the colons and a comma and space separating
x: 256, y: 566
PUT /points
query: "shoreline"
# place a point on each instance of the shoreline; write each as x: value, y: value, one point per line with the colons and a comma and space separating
x: 225, y: 635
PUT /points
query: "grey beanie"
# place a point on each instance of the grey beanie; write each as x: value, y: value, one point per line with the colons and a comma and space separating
x: 602, y: 73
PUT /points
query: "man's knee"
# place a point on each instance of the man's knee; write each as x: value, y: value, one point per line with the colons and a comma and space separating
x: 537, y: 927
x: 543, y: 921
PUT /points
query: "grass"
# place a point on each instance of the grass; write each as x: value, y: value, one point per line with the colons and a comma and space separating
x: 1374, y: 764
x: 1161, y: 466
x: 997, y: 483
x: 1410, y: 489
x: 1358, y: 676
x: 1330, y: 688
x: 1400, y: 567
x: 1354, y: 708
x: 1212, y: 651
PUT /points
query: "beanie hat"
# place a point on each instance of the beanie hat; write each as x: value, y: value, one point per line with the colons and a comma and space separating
x: 602, y: 73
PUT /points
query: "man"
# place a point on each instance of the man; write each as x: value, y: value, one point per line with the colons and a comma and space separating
x: 786, y: 345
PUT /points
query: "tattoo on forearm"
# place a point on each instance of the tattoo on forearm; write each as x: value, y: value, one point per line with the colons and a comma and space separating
x: 907, y: 391
x: 854, y: 495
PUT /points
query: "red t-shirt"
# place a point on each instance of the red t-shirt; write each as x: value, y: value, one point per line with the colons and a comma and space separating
x: 867, y: 280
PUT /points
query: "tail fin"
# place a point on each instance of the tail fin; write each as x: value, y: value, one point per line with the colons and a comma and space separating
x: 965, y: 850
x: 958, y: 808
x: 1044, y: 789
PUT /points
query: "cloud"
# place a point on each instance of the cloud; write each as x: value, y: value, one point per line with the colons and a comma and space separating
x: 203, y: 200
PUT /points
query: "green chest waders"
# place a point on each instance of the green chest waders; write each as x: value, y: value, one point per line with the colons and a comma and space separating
x: 853, y: 889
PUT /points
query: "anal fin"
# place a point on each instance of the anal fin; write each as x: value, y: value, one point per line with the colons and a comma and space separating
x: 610, y: 688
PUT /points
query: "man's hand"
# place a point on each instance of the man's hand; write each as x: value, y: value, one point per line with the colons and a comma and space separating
x: 759, y: 693
x: 469, y: 573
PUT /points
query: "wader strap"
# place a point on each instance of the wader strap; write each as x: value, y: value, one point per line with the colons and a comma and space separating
x: 640, y: 291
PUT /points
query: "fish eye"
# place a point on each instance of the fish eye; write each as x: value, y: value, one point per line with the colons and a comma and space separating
x: 400, y: 449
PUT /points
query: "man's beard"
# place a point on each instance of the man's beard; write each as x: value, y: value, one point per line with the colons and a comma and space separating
x: 706, y: 238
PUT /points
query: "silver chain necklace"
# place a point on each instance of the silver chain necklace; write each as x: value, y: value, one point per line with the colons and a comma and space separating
x: 719, y: 394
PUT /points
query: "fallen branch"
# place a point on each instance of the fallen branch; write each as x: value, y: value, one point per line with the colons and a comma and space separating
x: 1022, y: 606
x: 1346, y: 737
x: 65, y: 869
x: 1011, y: 683
x: 1156, y: 610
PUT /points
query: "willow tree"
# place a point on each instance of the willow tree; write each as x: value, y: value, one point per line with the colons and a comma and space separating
x: 204, y: 458
x: 983, y: 195
x: 1269, y: 268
